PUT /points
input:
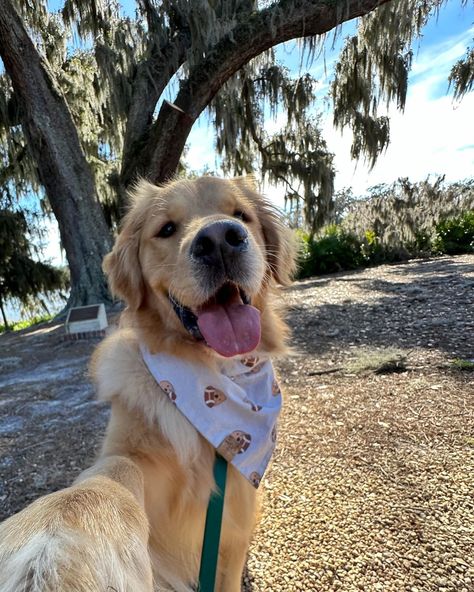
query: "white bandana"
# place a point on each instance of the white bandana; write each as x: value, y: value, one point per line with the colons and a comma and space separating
x: 235, y: 409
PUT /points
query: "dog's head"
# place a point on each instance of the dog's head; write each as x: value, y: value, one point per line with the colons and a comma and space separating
x: 198, y: 257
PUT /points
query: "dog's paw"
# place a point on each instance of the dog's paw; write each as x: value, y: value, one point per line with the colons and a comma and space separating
x: 78, y: 540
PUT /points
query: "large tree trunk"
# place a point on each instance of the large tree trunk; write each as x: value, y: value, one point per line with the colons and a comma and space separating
x: 62, y: 166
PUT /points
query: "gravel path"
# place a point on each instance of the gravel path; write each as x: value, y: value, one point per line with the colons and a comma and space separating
x: 371, y: 487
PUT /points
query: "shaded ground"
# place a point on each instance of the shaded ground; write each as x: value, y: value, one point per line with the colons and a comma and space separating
x: 372, y: 484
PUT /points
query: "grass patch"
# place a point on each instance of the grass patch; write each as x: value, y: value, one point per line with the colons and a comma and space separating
x: 466, y: 365
x: 25, y: 324
x: 378, y: 361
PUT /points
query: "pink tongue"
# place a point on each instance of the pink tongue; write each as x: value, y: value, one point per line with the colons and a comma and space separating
x: 230, y: 330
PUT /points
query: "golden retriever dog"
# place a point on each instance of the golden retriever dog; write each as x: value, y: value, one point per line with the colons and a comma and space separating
x: 134, y: 521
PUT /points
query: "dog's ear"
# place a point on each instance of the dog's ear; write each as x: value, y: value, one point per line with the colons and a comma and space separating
x: 280, y: 241
x: 122, y: 265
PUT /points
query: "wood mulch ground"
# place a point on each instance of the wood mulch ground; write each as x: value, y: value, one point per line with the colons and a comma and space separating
x: 372, y: 484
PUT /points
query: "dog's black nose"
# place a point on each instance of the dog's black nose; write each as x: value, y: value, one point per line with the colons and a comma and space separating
x: 219, y: 241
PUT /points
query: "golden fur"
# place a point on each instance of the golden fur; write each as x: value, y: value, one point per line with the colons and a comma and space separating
x: 134, y: 521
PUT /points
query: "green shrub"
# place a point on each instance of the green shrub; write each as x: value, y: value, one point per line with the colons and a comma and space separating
x: 335, y: 250
x: 455, y: 235
x: 466, y: 365
x: 372, y: 249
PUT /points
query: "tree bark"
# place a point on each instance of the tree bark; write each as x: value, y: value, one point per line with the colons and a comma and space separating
x: 158, y: 158
x: 4, y: 316
x: 62, y: 166
x: 153, y: 75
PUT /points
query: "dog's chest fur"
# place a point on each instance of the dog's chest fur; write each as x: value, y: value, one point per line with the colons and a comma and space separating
x: 175, y: 460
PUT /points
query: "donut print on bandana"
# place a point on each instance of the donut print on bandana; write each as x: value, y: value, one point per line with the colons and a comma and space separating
x: 213, y: 396
x: 275, y: 388
x: 169, y: 390
x: 235, y: 443
x: 274, y: 434
x: 255, y: 479
x: 253, y: 406
x: 249, y: 361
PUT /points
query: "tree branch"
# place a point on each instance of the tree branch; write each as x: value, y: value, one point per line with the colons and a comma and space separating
x: 288, y: 19
x: 153, y: 75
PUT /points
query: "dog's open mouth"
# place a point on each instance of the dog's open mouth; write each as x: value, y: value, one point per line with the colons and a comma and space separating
x: 227, y: 322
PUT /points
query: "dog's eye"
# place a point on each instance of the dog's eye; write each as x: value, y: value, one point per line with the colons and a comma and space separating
x: 241, y: 215
x: 167, y: 230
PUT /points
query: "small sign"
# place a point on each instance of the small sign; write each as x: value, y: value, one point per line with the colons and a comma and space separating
x: 86, y: 320
x: 83, y: 313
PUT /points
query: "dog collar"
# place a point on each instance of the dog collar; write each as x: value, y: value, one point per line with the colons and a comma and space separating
x: 187, y: 318
x: 235, y: 407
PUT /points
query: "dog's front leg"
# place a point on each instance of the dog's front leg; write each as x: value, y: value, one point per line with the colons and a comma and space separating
x: 231, y: 567
x: 91, y: 537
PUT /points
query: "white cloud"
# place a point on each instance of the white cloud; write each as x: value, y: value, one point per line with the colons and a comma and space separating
x: 432, y: 136
x: 52, y: 252
x: 201, y: 151
x: 275, y: 124
x: 440, y: 57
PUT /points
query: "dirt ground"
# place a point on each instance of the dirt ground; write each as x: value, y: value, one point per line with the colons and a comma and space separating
x: 372, y: 484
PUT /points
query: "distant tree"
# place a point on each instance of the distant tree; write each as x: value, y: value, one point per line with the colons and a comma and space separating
x: 22, y: 277
x: 342, y: 201
x: 82, y: 124
x: 405, y: 215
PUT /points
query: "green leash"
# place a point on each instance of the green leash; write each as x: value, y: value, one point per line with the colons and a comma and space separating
x: 212, y: 530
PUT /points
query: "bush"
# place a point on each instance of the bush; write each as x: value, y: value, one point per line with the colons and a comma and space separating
x: 394, y: 223
x: 372, y: 250
x: 334, y: 251
x: 404, y: 216
x: 455, y: 235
